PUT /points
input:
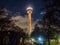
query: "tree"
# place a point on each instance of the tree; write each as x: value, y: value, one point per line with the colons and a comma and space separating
x: 10, y: 30
x: 51, y: 20
x: 52, y: 15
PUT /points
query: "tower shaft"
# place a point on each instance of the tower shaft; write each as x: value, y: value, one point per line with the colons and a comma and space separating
x: 29, y: 12
x: 29, y: 24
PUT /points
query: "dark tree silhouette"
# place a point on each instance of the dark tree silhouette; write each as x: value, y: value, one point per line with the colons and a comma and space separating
x: 9, y: 33
x: 52, y: 16
x: 50, y: 20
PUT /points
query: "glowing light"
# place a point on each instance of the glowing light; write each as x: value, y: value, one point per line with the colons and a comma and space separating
x: 30, y: 8
x: 32, y: 39
x: 40, y: 39
x: 59, y: 40
x: 53, y: 40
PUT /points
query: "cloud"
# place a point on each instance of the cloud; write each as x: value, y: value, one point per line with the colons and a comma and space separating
x: 43, y: 12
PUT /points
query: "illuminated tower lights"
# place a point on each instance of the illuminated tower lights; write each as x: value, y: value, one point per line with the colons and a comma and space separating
x: 29, y: 12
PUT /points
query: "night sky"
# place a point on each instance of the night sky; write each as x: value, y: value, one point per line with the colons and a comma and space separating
x: 21, y: 5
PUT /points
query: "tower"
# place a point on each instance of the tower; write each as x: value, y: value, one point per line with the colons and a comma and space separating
x: 29, y: 13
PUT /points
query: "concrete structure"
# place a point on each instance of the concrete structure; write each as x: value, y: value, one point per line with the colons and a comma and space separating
x: 29, y: 12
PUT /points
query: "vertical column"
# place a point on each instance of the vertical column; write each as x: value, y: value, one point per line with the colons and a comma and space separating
x: 29, y: 12
x: 29, y: 24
